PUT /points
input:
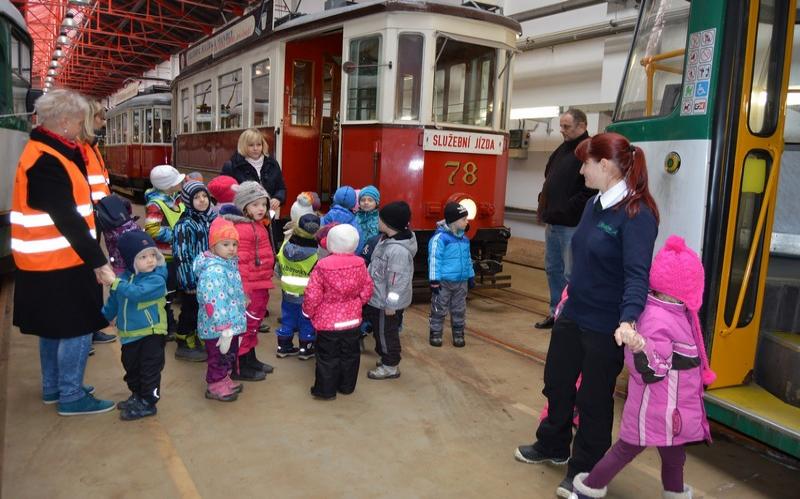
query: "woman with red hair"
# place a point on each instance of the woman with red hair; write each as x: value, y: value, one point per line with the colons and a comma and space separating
x: 612, y: 249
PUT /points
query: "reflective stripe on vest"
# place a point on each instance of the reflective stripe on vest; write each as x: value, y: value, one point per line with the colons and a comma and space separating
x: 294, y: 273
x: 36, y: 242
x: 294, y: 280
x: 96, y: 172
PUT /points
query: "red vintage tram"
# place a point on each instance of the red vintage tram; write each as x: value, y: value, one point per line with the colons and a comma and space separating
x: 138, y: 137
x: 411, y: 96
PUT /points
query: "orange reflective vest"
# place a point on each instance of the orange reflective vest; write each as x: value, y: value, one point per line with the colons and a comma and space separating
x: 36, y: 243
x: 96, y: 171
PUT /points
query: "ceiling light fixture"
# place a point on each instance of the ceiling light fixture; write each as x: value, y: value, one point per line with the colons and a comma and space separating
x: 58, y: 53
x: 54, y: 64
x: 63, y: 39
x: 68, y: 21
x: 51, y: 72
x: 81, y: 3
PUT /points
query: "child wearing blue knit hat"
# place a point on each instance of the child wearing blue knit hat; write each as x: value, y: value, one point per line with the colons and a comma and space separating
x: 367, y: 216
x: 344, y: 200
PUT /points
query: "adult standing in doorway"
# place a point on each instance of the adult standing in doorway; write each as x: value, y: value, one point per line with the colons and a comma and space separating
x: 561, y: 202
x: 252, y: 161
x: 613, y: 248
x: 58, y: 258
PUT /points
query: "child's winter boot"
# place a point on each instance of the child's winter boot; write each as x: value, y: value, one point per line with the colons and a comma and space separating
x: 221, y: 391
x: 286, y: 348
x: 458, y: 338
x: 234, y: 387
x: 582, y: 491
x: 243, y: 371
x: 686, y: 494
x: 307, y: 351
x: 253, y: 362
x: 435, y: 338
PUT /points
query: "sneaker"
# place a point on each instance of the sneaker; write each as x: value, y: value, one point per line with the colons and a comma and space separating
x: 101, y: 337
x: 124, y: 404
x: 52, y: 398
x: 138, y: 409
x: 220, y: 391
x: 184, y: 352
x: 564, y: 488
x: 85, y: 405
x: 528, y: 454
x: 384, y: 372
x: 91, y: 351
x: 234, y: 387
x: 320, y: 397
x: 287, y: 350
x: 306, y: 352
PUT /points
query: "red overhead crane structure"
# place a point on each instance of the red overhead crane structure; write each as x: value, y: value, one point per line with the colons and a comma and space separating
x: 94, y: 46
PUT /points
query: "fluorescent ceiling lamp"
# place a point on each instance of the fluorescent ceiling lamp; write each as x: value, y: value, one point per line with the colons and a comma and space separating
x: 531, y: 113
x: 80, y: 3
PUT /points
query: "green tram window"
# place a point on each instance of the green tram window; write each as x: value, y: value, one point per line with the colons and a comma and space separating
x: 652, y: 85
x: 765, y: 90
x: 757, y: 165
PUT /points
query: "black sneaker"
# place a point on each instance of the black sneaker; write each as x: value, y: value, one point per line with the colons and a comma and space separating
x: 101, y: 337
x: 138, y: 409
x: 124, y: 404
x: 306, y: 351
x: 564, y: 488
x: 286, y: 350
x: 528, y: 454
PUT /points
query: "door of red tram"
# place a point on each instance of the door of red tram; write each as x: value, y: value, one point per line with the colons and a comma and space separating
x: 311, y: 115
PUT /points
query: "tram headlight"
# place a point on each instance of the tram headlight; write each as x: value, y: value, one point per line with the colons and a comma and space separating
x: 467, y: 202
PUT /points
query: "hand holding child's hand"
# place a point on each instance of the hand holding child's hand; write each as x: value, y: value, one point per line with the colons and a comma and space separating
x: 625, y: 334
x: 105, y: 275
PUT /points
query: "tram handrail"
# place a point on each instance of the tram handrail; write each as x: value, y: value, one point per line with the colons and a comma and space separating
x: 650, y: 68
x: 748, y: 269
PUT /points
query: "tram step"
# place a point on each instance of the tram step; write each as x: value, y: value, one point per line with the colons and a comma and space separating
x: 781, y: 310
x: 776, y: 365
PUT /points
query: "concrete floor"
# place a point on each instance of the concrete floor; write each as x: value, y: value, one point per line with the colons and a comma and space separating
x: 446, y: 428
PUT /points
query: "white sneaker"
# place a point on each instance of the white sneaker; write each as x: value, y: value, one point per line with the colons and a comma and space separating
x: 384, y: 372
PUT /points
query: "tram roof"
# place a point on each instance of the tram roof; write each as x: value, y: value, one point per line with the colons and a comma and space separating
x: 155, y: 99
x: 114, y: 41
x: 11, y: 12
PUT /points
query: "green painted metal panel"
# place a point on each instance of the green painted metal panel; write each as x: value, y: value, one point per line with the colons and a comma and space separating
x: 753, y: 427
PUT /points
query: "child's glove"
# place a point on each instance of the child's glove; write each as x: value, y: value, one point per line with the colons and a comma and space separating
x: 435, y: 287
x: 224, y: 341
x: 629, y: 337
x: 470, y: 283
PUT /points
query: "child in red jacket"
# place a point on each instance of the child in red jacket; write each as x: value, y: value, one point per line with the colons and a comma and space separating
x: 337, y: 290
x: 256, y: 262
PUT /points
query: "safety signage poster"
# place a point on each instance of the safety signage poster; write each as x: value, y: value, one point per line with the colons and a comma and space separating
x: 697, y: 77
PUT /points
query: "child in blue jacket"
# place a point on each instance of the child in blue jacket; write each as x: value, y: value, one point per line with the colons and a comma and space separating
x: 451, y: 273
x: 137, y: 300
x: 220, y: 295
x: 189, y: 240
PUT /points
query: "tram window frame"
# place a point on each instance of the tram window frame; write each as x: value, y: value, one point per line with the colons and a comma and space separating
x: 764, y: 109
x: 136, y: 126
x: 302, y: 107
x: 149, y: 125
x: 157, y: 131
x: 632, y: 100
x: 186, y: 111
x: 752, y: 189
x: 222, y: 86
x: 208, y: 108
x: 125, y: 127
x: 257, y: 100
x: 476, y: 106
x: 166, y: 130
x: 409, y: 67
x: 363, y: 89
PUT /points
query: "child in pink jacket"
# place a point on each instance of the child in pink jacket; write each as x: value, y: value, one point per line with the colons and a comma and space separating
x: 668, y: 367
x: 337, y: 290
x: 256, y: 265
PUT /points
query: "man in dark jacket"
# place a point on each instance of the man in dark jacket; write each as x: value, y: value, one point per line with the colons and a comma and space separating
x: 561, y: 202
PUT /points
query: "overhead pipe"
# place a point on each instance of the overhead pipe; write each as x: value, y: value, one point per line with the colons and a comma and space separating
x: 549, y: 10
x: 608, y: 28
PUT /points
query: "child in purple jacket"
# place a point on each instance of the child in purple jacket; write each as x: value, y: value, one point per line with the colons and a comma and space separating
x: 666, y: 353
x: 112, y: 238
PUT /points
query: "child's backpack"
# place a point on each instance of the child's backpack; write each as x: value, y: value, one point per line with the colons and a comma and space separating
x: 111, y: 212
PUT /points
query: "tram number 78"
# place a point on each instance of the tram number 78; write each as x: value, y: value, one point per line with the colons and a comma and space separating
x: 470, y: 172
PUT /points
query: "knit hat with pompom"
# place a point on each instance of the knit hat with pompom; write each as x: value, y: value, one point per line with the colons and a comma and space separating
x: 304, y: 204
x: 678, y: 272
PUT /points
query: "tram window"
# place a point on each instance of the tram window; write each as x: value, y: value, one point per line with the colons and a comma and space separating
x: 230, y: 100
x: 327, y: 90
x: 260, y: 92
x: 166, y: 125
x: 135, y: 137
x: 362, y: 84
x: 157, y: 126
x: 767, y: 68
x: 302, y: 81
x: 756, y: 166
x: 409, y: 76
x: 464, y: 82
x: 203, y: 121
x: 186, y: 111
x: 124, y: 122
x: 148, y: 120
x: 660, y: 45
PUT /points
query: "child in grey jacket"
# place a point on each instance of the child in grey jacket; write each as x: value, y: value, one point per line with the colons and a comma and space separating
x: 391, y: 269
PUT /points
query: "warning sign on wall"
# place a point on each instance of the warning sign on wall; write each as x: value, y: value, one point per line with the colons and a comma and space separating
x: 697, y: 74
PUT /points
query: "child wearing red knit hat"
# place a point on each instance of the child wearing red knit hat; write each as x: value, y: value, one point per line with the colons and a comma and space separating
x: 222, y: 189
x: 665, y: 353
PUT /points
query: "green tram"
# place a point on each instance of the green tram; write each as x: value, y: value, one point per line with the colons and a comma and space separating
x: 16, y: 50
x: 712, y: 96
